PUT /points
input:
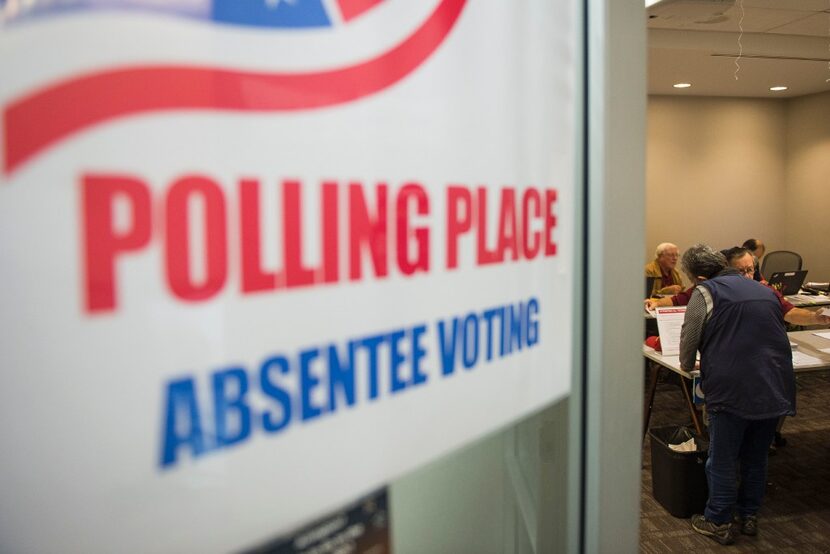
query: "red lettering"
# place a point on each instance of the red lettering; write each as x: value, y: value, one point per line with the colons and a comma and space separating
x: 457, y: 198
x: 508, y: 231
x: 178, y: 242
x: 296, y: 274
x: 331, y: 271
x: 254, y: 278
x: 412, y: 191
x: 195, y: 251
x: 484, y: 256
x: 363, y: 230
x: 550, y: 222
x: 531, y: 248
x: 101, y: 241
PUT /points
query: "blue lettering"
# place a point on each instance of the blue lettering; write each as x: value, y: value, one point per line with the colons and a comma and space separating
x: 276, y: 392
x: 372, y: 343
x: 448, y: 349
x: 293, y: 388
x: 470, y: 352
x: 396, y: 360
x: 502, y: 333
x: 418, y: 353
x: 488, y: 317
x: 308, y: 383
x: 223, y: 406
x: 532, y: 324
x: 341, y: 375
x: 515, y: 327
x: 182, y: 426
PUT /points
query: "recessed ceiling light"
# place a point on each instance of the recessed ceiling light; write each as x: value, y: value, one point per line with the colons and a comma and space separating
x: 778, y: 89
x: 682, y: 85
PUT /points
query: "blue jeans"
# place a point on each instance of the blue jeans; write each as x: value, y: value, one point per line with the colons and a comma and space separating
x: 734, y: 440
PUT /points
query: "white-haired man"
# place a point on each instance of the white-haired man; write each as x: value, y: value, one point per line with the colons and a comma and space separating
x: 662, y: 268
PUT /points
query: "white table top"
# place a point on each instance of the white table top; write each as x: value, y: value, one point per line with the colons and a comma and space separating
x: 797, y: 300
x: 808, y: 354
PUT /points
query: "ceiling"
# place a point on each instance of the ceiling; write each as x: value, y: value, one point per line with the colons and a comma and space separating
x: 784, y: 42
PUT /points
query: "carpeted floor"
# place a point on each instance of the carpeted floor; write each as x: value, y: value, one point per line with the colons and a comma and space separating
x: 795, y: 517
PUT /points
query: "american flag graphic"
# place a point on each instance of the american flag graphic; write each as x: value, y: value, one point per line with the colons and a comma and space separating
x: 40, y: 118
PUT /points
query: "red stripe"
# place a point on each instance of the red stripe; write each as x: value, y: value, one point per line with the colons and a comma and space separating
x: 34, y: 122
x: 350, y: 9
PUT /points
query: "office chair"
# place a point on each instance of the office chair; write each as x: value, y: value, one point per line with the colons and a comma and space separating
x: 780, y: 260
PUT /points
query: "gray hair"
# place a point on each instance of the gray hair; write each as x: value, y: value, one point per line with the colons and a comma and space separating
x: 702, y: 260
x: 735, y: 253
x: 662, y: 247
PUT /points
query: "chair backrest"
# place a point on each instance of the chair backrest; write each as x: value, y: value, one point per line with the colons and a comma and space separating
x: 780, y: 260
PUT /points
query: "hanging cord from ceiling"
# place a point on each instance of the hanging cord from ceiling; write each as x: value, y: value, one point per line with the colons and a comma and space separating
x: 740, y: 36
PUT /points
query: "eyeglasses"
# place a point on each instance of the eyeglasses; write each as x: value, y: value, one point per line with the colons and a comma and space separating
x: 746, y: 270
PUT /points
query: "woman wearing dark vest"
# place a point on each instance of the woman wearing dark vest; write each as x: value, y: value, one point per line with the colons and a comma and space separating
x: 747, y: 379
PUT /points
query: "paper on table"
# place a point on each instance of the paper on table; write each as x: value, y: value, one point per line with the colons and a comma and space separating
x: 824, y: 311
x: 669, y: 323
x: 801, y: 359
x: 824, y: 335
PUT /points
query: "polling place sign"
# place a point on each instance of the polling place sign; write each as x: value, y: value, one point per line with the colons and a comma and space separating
x: 258, y: 258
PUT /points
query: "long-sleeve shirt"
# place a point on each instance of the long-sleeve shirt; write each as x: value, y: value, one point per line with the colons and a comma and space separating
x: 698, y: 310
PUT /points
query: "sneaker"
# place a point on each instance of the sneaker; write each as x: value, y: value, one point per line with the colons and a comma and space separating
x: 721, y: 533
x: 749, y: 525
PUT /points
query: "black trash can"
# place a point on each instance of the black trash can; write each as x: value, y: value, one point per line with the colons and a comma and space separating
x: 678, y: 478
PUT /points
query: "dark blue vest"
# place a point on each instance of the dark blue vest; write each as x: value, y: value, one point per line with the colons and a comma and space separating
x: 745, y: 356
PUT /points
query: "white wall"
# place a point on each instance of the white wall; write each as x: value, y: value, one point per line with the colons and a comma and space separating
x: 807, y: 224
x: 715, y: 169
x: 721, y: 170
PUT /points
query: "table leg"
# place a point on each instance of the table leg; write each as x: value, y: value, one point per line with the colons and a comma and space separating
x: 691, y: 404
x: 652, y: 388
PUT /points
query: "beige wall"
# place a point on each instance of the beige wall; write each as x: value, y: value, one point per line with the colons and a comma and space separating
x: 721, y: 170
x: 807, y: 229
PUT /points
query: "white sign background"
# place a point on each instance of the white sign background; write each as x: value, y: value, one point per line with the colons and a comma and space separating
x: 82, y: 400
